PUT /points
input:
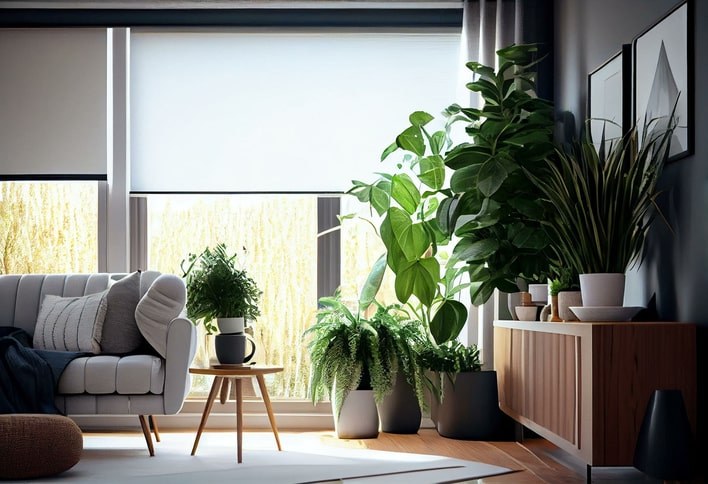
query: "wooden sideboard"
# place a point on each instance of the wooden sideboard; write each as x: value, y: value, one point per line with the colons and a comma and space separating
x: 585, y: 386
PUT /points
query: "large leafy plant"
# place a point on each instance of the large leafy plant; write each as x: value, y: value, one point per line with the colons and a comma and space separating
x: 218, y: 288
x: 602, y: 209
x: 407, y: 200
x: 494, y: 208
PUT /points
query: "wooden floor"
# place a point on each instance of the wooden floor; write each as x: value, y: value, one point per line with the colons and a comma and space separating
x: 533, y: 461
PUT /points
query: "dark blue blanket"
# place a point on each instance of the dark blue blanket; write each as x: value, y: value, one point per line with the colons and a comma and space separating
x: 28, y: 377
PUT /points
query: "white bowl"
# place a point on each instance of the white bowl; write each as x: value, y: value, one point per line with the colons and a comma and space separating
x: 605, y: 313
x: 527, y: 313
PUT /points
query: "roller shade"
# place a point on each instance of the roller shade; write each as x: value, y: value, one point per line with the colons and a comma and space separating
x: 54, y: 103
x: 277, y: 111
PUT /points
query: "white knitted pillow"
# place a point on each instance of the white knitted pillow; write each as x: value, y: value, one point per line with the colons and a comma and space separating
x: 162, y: 303
x: 70, y: 323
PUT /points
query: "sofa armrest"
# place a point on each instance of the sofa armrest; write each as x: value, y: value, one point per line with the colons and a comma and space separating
x: 181, y: 347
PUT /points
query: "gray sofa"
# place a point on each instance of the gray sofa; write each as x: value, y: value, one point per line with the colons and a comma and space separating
x: 136, y: 384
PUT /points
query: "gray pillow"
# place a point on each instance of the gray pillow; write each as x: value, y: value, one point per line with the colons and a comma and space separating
x: 120, y: 331
x: 70, y: 323
x: 162, y: 303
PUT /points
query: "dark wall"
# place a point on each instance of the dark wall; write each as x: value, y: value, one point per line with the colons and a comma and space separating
x: 675, y: 270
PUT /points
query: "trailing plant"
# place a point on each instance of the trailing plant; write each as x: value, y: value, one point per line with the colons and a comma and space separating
x: 493, y: 207
x: 602, y: 211
x: 347, y: 351
x: 217, y: 288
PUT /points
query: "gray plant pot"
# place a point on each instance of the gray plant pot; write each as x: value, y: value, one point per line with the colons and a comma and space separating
x: 470, y: 408
x: 399, y: 412
x: 358, y: 418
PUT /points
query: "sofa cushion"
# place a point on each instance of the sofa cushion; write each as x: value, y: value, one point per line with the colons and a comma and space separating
x: 70, y: 323
x: 120, y: 331
x: 103, y: 374
x: 162, y: 303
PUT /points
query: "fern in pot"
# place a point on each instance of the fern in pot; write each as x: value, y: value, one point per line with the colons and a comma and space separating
x: 218, y: 290
x: 603, y: 209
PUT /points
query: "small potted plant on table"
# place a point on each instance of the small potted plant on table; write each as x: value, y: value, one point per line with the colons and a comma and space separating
x: 219, y: 290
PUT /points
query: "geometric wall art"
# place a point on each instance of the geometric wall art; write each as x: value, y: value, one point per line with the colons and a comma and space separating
x: 663, y: 78
x: 609, y: 99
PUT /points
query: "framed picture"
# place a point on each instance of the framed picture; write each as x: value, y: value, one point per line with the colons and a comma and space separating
x: 663, y: 78
x: 609, y: 99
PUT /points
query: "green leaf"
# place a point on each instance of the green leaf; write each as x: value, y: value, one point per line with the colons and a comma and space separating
x: 479, y: 250
x: 389, y: 149
x: 491, y: 176
x: 481, y: 291
x: 437, y: 142
x: 404, y: 191
x: 394, y: 255
x: 420, y: 118
x: 448, y: 321
x: 418, y: 278
x: 379, y: 198
x: 372, y: 284
x: 530, y: 238
x: 432, y: 171
x: 445, y: 216
x: 412, y: 238
x: 465, y: 155
x: 464, y: 179
x: 412, y: 140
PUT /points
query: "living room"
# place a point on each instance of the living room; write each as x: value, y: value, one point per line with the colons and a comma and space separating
x: 115, y: 149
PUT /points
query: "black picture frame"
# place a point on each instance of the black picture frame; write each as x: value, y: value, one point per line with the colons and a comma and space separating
x: 663, y: 72
x: 609, y: 98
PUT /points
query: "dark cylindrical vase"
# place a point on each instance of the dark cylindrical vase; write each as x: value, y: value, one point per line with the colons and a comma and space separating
x: 470, y: 406
x: 399, y: 412
x: 664, y: 445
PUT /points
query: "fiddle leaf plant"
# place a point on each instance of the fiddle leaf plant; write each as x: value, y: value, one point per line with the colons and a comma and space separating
x: 408, y: 201
x: 494, y: 209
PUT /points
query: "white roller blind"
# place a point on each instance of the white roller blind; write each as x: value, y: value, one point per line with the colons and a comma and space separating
x: 279, y: 111
x: 53, y: 102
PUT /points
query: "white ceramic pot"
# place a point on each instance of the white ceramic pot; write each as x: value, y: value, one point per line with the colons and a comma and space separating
x: 566, y: 299
x: 539, y: 293
x: 230, y: 325
x: 602, y: 289
x: 359, y: 418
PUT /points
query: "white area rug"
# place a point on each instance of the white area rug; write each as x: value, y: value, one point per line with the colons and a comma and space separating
x: 304, y: 459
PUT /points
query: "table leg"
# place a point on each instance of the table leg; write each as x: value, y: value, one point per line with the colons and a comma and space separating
x: 239, y: 418
x: 207, y: 410
x: 269, y: 409
x: 224, y: 391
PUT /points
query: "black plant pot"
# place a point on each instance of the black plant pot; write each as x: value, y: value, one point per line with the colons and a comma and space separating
x: 470, y: 406
x: 399, y: 412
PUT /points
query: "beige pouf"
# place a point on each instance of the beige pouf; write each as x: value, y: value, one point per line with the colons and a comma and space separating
x: 38, y: 445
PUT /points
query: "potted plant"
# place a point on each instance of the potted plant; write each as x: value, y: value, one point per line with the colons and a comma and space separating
x: 493, y: 208
x: 219, y: 290
x: 564, y: 291
x: 467, y: 406
x: 603, y: 209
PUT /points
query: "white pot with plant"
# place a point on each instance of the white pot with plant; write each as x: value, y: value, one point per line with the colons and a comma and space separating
x: 218, y: 290
x: 604, y: 207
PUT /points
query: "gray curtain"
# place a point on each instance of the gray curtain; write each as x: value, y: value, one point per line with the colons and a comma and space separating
x: 487, y: 26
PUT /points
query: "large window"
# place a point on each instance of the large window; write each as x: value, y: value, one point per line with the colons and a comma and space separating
x: 276, y: 239
x: 48, y: 227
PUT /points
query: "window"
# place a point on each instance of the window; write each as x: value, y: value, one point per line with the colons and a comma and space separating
x: 279, y: 235
x: 48, y: 227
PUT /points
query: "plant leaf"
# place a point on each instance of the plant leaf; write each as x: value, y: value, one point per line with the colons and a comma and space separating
x: 372, y: 284
x: 420, y: 118
x: 479, y: 250
x: 412, y: 140
x: 404, y: 191
x: 412, y: 238
x: 432, y: 171
x: 448, y: 321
